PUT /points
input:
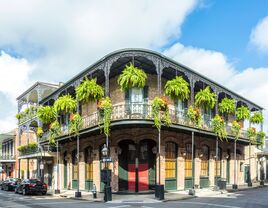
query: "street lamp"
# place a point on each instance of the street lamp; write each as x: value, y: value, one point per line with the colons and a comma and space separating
x: 106, y: 175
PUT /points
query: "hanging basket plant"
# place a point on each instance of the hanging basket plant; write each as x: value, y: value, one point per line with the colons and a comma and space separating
x: 257, y: 118
x: 160, y: 112
x: 236, y: 128
x: 218, y: 126
x: 261, y: 136
x: 177, y: 88
x: 46, y: 114
x: 39, y: 132
x: 132, y: 77
x: 105, y: 109
x: 227, y: 106
x: 54, y: 132
x: 76, y: 123
x: 89, y: 90
x: 205, y: 99
x: 242, y: 113
x: 251, y: 132
x: 194, y: 116
x: 18, y: 116
x: 65, y: 104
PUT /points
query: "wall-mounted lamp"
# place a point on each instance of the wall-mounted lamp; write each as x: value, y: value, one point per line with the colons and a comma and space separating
x: 227, y: 156
x: 154, y: 150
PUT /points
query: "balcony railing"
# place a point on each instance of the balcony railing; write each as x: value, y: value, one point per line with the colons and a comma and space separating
x: 28, y: 115
x: 7, y: 157
x: 143, y: 112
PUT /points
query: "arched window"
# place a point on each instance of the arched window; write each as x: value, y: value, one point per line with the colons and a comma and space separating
x: 89, y: 163
x: 217, y: 169
x: 171, y: 158
x: 204, y: 160
x: 188, y: 161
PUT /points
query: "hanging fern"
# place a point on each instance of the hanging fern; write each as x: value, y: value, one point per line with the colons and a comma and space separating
x: 194, y: 116
x: 54, y: 132
x: 76, y: 124
x: 46, y: 114
x: 257, y: 118
x: 242, y: 113
x: 236, y: 128
x: 132, y: 77
x: 227, y: 106
x: 39, y: 132
x: 261, y: 135
x: 177, y: 88
x: 160, y: 112
x: 105, y: 114
x: 89, y: 90
x: 65, y: 104
x: 251, y: 132
x: 205, y: 99
x: 218, y: 126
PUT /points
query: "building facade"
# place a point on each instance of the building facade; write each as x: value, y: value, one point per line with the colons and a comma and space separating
x: 134, y: 141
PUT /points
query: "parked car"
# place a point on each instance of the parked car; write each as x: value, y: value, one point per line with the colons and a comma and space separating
x: 1, y: 184
x: 9, y: 184
x: 31, y: 186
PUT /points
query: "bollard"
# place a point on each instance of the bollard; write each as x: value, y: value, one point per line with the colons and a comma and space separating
x: 94, y: 191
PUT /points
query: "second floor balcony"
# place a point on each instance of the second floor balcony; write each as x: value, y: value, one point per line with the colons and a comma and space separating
x: 7, y: 158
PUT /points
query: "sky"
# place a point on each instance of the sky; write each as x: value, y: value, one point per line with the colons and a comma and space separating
x: 51, y: 41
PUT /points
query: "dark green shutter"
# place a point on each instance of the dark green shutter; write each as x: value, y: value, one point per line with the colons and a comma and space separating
x: 145, y: 100
x: 127, y: 100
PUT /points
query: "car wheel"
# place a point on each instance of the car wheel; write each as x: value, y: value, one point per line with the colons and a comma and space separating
x: 24, y: 192
x: 44, y: 193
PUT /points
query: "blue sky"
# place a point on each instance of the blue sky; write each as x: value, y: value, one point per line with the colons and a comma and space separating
x: 52, y: 41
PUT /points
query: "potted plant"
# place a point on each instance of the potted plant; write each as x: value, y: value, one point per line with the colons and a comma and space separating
x: 76, y: 123
x: 54, y: 132
x: 46, y: 114
x: 205, y: 99
x: 132, y: 77
x: 242, y: 113
x: 18, y: 116
x: 105, y: 114
x: 89, y: 90
x: 39, y: 132
x: 194, y: 116
x: 227, y: 106
x: 160, y: 112
x: 65, y: 104
x: 256, y: 118
x: 177, y: 88
x: 218, y: 126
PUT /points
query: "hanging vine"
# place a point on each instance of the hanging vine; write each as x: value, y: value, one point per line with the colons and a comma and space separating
x: 236, y: 128
x: 132, y: 77
x: 261, y: 135
x: 105, y: 109
x: 76, y: 124
x: 251, y: 132
x: 54, y: 132
x: 219, y: 128
x: 194, y: 116
x: 205, y: 99
x: 160, y: 112
x: 177, y: 88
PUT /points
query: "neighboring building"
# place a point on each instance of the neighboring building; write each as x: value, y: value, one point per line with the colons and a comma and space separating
x: 133, y: 141
x: 7, y: 155
x: 29, y: 160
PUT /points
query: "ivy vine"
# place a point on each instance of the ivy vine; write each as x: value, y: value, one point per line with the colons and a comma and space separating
x: 218, y: 126
x: 194, y: 116
x: 105, y: 109
x: 236, y: 128
x: 76, y: 123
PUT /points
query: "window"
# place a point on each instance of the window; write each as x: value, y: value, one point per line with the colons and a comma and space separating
x: 217, y: 168
x: 188, y: 161
x: 204, y: 160
x: 89, y: 163
x: 171, y: 160
x: 181, y: 107
x: 135, y: 99
x: 75, y: 166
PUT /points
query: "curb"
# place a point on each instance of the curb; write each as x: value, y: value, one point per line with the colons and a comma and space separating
x: 178, y: 199
x: 245, y: 189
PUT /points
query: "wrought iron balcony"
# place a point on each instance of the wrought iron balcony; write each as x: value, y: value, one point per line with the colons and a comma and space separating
x: 7, y: 158
x: 29, y: 115
x: 141, y: 111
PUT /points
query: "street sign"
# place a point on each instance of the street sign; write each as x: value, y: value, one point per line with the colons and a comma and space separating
x: 108, y: 159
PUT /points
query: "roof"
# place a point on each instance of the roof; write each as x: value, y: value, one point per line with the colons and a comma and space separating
x: 7, y: 136
x: 85, y: 71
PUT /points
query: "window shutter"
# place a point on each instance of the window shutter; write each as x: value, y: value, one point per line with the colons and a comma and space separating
x: 145, y: 93
x: 127, y: 100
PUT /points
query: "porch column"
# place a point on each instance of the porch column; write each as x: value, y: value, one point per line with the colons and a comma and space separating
x: 19, y: 176
x: 114, y: 168
x: 96, y: 169
x: 82, y: 171
x: 197, y: 171
x: 180, y: 170
x: 28, y: 171
x: 212, y: 167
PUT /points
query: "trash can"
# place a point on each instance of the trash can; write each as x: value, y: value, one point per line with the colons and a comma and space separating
x: 222, y: 184
x: 160, y: 192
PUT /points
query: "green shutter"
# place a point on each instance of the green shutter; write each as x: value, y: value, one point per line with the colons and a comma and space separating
x: 127, y: 100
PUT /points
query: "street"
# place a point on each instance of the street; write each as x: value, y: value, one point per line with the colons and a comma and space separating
x: 252, y: 198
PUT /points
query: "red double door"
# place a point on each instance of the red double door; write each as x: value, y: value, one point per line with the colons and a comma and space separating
x: 138, y: 175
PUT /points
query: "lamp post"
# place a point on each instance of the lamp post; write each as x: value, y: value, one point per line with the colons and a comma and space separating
x: 57, y: 191
x: 235, y: 167
x: 106, y: 173
x: 78, y: 192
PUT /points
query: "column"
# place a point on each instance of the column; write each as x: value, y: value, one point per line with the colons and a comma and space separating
x: 180, y: 169
x: 114, y: 168
x: 82, y: 171
x: 96, y: 168
x: 212, y: 168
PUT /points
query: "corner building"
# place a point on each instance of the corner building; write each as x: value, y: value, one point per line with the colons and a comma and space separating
x: 134, y: 140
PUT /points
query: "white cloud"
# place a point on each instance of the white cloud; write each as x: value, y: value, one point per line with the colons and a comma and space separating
x: 250, y: 83
x: 259, y: 35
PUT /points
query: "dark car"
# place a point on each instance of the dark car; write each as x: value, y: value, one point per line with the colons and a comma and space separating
x: 1, y: 184
x: 31, y: 186
x: 9, y: 184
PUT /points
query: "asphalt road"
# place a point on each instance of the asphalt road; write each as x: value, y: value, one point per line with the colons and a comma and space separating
x: 256, y: 198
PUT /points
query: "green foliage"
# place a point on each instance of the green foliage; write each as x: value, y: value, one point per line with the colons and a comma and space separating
x: 105, y: 114
x: 251, y: 132
x: 65, y: 104
x: 242, y: 113
x: 177, y: 88
x: 194, y: 116
x: 89, y: 90
x: 18, y: 116
x: 205, y: 99
x: 132, y: 77
x: 27, y: 114
x: 28, y: 147
x: 236, y: 128
x: 218, y: 126
x: 257, y: 118
x: 46, y: 114
x: 76, y: 124
x: 39, y: 132
x: 261, y: 135
x: 160, y: 112
x: 54, y: 132
x: 227, y: 106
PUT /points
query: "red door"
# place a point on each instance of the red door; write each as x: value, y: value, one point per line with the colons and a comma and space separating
x: 143, y: 177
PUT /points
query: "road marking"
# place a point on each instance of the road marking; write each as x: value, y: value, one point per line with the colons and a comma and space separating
x: 209, y: 204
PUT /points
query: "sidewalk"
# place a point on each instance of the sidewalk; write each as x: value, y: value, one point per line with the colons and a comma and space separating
x: 150, y: 198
